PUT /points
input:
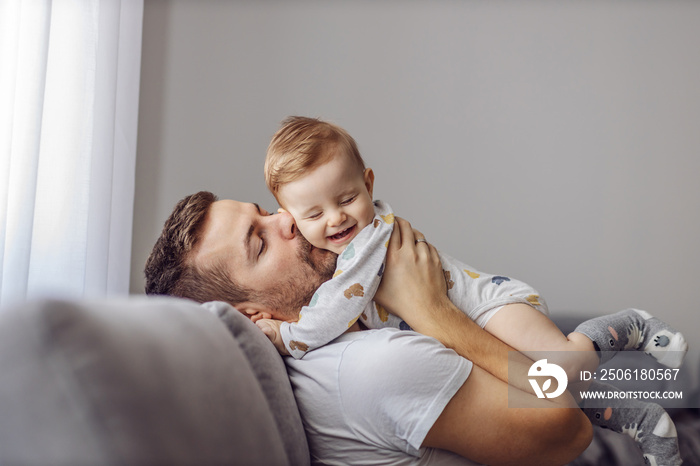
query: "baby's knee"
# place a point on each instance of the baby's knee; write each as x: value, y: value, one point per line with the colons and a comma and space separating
x: 579, y: 355
x: 580, y: 342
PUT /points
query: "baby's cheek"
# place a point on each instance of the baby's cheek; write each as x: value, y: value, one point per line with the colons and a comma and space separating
x: 313, y: 235
x: 368, y: 216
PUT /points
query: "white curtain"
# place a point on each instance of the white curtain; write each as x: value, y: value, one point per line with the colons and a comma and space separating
x: 69, y: 79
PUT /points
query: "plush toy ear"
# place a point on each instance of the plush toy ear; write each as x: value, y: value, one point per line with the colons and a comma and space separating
x: 607, y: 414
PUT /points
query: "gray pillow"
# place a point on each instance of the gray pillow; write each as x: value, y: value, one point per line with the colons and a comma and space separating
x: 138, y: 381
x: 272, y: 375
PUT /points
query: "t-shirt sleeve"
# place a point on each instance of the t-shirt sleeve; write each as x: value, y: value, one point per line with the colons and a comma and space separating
x: 407, y: 379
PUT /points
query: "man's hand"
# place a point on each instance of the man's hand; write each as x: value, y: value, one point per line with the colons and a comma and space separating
x: 413, y: 281
x: 271, y: 329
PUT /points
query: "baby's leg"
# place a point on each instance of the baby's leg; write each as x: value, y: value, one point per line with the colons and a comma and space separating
x: 633, y: 329
x: 647, y: 423
x: 528, y: 330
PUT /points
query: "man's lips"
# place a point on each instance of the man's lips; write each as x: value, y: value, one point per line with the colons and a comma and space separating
x: 342, y: 235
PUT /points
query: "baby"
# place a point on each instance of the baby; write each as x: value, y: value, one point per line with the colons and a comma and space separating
x: 316, y: 173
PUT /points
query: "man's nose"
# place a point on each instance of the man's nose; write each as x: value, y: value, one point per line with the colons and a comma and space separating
x: 285, y: 224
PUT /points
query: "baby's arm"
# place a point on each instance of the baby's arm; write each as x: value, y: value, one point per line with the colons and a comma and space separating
x: 339, y: 302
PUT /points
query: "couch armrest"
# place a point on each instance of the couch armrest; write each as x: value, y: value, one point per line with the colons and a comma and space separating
x: 271, y: 372
x: 138, y: 381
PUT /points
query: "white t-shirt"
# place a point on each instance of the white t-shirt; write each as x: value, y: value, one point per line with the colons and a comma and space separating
x: 370, y: 397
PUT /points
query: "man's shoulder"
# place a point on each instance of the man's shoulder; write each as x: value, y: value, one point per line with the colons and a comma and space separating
x: 384, y: 350
x: 388, y: 336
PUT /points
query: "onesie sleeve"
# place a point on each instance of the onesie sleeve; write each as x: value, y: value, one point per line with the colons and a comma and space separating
x: 339, y: 302
x: 407, y: 380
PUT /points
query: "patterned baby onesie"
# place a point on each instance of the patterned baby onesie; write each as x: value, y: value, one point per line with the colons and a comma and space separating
x: 347, y: 297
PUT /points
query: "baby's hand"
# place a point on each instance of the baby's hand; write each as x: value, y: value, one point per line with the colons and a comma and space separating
x: 271, y: 329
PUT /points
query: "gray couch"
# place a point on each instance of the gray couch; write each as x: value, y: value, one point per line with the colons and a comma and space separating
x: 142, y: 381
x: 163, y: 381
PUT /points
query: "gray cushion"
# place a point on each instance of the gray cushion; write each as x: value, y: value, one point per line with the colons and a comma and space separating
x: 139, y: 381
x: 272, y: 375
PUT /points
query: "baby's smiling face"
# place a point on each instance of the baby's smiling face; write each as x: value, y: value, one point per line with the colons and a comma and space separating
x: 331, y: 204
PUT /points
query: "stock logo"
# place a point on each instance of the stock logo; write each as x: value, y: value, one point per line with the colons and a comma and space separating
x: 542, y: 368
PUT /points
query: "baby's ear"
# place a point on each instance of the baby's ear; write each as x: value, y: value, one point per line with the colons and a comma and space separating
x: 369, y: 180
x: 281, y: 210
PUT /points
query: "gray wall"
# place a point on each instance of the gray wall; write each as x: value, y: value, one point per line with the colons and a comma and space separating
x: 556, y: 142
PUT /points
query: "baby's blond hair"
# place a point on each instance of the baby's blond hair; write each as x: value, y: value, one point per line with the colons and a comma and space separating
x: 303, y: 144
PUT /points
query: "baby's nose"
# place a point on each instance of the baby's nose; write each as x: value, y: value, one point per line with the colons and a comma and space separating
x: 337, y: 217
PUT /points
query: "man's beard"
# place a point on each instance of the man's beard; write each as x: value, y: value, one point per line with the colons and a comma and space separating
x: 289, y: 297
x: 323, y: 266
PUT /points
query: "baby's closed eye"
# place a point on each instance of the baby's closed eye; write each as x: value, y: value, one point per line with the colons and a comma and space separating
x: 348, y: 200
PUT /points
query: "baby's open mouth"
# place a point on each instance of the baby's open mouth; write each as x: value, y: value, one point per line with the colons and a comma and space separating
x: 341, y: 235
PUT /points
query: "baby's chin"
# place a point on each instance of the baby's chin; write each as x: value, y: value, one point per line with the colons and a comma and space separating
x: 326, y: 245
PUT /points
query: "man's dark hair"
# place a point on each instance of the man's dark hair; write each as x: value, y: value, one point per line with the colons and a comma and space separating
x: 170, y: 269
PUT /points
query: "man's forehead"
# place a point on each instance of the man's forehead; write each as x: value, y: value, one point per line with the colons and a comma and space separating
x: 224, y: 229
x: 230, y: 208
x: 226, y: 214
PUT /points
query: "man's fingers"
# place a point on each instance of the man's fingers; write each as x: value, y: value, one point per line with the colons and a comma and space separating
x: 405, y: 235
x: 395, y: 239
x: 419, y: 237
x: 433, y: 251
x: 405, y: 232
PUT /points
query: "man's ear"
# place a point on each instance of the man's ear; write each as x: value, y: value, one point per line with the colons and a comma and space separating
x: 369, y: 180
x: 254, y: 311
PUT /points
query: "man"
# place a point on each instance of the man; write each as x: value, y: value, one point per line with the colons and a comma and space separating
x: 379, y: 396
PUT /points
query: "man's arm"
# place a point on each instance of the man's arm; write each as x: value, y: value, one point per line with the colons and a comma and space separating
x: 477, y: 423
x: 413, y: 287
